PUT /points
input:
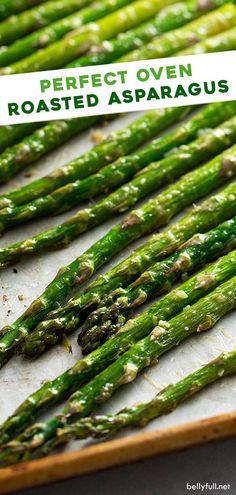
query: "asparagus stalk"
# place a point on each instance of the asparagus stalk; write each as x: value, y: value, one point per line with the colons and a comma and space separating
x: 155, y: 213
x: 201, y: 316
x: 54, y: 32
x: 66, y: 319
x: 64, y: 51
x: 169, y: 18
x: 117, y: 16
x: 164, y: 402
x: 200, y: 249
x: 18, y: 26
x: 9, y: 7
x: 219, y: 43
x: 88, y: 367
x: 115, y: 145
x: 111, y: 176
x: 34, y: 146
x: 179, y: 39
x: 11, y: 134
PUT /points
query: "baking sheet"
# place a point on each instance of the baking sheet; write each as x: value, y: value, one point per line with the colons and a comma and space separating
x: 21, y: 377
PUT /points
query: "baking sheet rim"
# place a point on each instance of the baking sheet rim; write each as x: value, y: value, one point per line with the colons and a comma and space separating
x: 116, y: 452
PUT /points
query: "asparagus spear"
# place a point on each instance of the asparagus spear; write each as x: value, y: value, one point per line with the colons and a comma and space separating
x: 88, y: 367
x: 66, y: 319
x: 115, y: 145
x: 123, y: 15
x: 179, y: 39
x: 221, y: 42
x: 9, y: 7
x: 42, y: 141
x: 164, y: 402
x: 200, y: 249
x: 111, y: 176
x: 64, y: 51
x: 10, y: 134
x: 34, y: 19
x: 50, y: 34
x: 169, y: 18
x: 155, y: 213
x: 201, y: 316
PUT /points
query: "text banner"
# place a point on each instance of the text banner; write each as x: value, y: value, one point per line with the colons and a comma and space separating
x: 114, y: 88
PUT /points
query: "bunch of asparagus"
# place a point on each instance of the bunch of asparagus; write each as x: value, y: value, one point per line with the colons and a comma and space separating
x: 119, y: 347
x: 163, y: 403
x: 17, y: 26
x: 112, y: 176
x: 155, y: 213
x: 9, y: 7
x: 161, y: 336
x: 171, y: 17
x: 66, y: 319
x: 139, y: 415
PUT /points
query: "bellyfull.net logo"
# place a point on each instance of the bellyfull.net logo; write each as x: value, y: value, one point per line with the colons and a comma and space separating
x: 205, y: 487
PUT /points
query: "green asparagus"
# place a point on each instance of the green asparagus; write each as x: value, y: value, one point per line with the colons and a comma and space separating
x: 9, y: 7
x: 115, y: 145
x: 164, y: 402
x: 42, y: 38
x: 64, y: 51
x: 192, y: 33
x: 114, y: 17
x: 200, y: 249
x: 34, y: 19
x: 167, y: 19
x: 155, y: 213
x: 89, y: 163
x: 85, y: 369
x: 11, y: 134
x: 42, y: 141
x: 66, y: 319
x: 111, y: 176
x: 199, y: 317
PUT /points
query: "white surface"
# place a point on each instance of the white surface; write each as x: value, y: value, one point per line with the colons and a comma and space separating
x: 21, y: 377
